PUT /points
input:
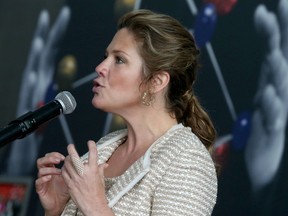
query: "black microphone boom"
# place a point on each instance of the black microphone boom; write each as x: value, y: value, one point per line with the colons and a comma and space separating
x: 64, y: 103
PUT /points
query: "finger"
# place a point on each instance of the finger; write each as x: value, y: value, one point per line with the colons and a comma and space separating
x: 48, y: 56
x: 59, y: 27
x: 72, y: 151
x: 267, y: 26
x: 48, y: 171
x: 55, y: 35
x: 40, y: 184
x: 78, y: 165
x: 93, y: 153
x: 263, y: 80
x: 38, y: 42
x: 55, y: 154
x: 279, y: 74
x: 50, y: 159
x: 273, y: 110
x: 75, y: 159
x: 283, y: 17
x: 69, y: 168
x: 42, y: 25
x: 65, y: 174
x: 30, y: 75
x: 33, y: 58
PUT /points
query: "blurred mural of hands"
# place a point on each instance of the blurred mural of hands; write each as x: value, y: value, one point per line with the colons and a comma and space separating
x: 37, y: 87
x: 265, y: 145
x: 252, y: 181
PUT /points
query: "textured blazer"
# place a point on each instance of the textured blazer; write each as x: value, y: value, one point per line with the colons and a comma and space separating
x: 176, y: 176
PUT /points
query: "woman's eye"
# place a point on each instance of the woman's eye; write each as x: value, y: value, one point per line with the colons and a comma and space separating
x: 119, y: 60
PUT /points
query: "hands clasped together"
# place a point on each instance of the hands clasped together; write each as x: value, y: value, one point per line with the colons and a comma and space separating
x: 56, y: 186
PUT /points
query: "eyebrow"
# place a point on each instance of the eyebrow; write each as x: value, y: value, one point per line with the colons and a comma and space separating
x: 117, y: 51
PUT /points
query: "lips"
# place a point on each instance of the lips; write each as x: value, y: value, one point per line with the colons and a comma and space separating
x: 96, y: 86
x: 96, y: 83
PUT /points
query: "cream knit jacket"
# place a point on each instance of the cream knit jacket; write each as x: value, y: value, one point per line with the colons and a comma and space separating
x: 176, y: 176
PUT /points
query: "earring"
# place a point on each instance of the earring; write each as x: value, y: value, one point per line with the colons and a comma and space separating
x: 147, y: 98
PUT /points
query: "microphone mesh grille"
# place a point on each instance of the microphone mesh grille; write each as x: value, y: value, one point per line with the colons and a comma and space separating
x: 67, y: 101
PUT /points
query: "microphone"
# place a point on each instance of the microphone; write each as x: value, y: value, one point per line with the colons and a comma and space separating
x: 64, y: 103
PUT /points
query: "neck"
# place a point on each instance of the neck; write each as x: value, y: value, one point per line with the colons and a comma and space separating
x: 145, y: 125
x: 145, y: 128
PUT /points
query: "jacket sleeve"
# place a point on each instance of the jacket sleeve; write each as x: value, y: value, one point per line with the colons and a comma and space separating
x: 189, y: 186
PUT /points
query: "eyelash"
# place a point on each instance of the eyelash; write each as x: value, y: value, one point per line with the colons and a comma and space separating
x: 118, y: 59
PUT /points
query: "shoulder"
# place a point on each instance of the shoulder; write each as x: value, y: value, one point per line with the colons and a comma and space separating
x: 185, y: 173
x: 183, y: 150
x: 181, y: 141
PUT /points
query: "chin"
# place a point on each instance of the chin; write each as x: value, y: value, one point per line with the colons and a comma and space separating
x: 95, y: 102
x: 98, y: 105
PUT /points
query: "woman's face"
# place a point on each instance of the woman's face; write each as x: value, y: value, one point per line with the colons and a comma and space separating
x: 116, y: 89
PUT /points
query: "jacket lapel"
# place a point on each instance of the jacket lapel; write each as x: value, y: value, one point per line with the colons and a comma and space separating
x: 129, y: 179
x: 125, y: 182
x: 106, y: 146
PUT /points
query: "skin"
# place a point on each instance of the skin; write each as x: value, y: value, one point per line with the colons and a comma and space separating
x: 116, y: 90
x: 50, y: 185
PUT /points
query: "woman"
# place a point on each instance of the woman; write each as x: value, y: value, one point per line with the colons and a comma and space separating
x: 160, y: 164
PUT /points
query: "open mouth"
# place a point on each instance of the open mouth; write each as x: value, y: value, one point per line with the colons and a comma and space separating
x: 96, y: 84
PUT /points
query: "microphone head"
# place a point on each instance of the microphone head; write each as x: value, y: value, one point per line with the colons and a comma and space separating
x: 67, y: 101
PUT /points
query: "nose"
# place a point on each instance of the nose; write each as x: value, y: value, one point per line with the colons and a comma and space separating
x: 101, y: 69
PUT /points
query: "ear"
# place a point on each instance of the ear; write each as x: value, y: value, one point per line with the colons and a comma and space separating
x: 160, y: 81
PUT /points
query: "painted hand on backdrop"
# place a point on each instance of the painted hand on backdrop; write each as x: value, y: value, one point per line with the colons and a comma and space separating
x: 265, y: 145
x: 37, y: 78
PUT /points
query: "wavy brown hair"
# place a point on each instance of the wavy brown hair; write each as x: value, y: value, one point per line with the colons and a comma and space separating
x: 165, y: 45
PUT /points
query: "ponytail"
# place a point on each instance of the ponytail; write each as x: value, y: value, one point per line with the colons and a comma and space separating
x: 197, y: 118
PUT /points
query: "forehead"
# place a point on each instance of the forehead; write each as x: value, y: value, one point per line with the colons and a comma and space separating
x: 123, y: 40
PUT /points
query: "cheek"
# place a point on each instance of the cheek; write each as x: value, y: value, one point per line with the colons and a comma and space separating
x: 125, y: 83
x: 118, y: 82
